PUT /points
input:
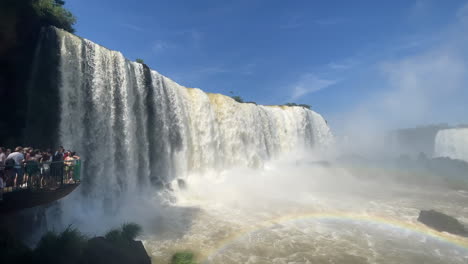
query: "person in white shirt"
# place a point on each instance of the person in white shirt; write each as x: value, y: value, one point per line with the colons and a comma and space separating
x: 18, y: 157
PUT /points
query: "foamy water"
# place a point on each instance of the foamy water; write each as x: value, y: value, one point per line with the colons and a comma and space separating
x: 310, y: 214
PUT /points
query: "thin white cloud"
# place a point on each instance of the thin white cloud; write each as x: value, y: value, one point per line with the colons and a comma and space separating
x: 419, y: 86
x: 159, y: 46
x: 342, y: 65
x: 309, y: 83
x: 426, y: 86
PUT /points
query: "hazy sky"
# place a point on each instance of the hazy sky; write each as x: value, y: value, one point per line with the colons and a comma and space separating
x: 385, y: 63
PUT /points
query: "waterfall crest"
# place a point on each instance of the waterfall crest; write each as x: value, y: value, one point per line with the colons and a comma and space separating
x: 452, y: 143
x: 135, y: 127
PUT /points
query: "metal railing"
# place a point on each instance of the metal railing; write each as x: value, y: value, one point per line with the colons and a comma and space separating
x: 41, y: 175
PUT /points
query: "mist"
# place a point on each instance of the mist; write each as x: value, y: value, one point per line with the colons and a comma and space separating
x: 419, y: 81
x: 195, y: 170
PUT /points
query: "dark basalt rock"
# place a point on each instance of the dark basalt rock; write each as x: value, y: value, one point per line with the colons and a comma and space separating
x: 100, y: 251
x: 442, y: 222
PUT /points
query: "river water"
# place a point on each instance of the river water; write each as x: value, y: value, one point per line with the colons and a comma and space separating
x: 310, y: 214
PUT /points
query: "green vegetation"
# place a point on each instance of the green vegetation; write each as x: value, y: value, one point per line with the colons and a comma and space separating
x: 301, y: 105
x: 70, y: 243
x: 140, y: 61
x: 238, y: 98
x: 35, y: 14
x: 127, y: 232
x: 52, y: 12
x: 184, y: 257
x: 72, y: 247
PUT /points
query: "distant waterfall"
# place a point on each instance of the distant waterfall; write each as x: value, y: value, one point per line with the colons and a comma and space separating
x: 452, y: 143
x: 135, y: 127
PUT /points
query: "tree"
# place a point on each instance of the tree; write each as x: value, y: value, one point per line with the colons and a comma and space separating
x: 238, y: 99
x: 52, y: 12
x: 140, y: 61
x: 305, y: 106
x: 301, y: 105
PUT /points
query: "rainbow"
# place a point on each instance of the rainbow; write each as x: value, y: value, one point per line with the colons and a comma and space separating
x: 386, y: 221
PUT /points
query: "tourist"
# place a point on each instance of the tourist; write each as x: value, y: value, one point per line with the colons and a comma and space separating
x: 77, y: 167
x: 49, y: 154
x: 28, y: 167
x: 58, y: 155
x: 18, y: 158
x: 27, y: 157
x: 57, y: 165
x: 32, y: 168
x: 9, y: 172
x: 27, y: 153
x: 45, y: 160
x: 2, y: 158
x: 69, y: 164
x: 75, y: 156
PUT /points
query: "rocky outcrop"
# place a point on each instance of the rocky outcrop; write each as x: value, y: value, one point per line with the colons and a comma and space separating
x: 442, y: 222
x: 100, y: 250
x: 71, y: 247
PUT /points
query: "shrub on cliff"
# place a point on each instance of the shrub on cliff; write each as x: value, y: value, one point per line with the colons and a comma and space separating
x: 37, y: 13
x: 184, y: 257
x: 238, y: 98
x: 72, y: 247
x: 52, y: 12
x: 66, y: 247
x: 301, y: 105
x: 127, y: 232
x: 305, y: 106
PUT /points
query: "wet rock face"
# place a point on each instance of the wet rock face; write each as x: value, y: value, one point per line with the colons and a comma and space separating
x: 442, y: 222
x: 102, y: 251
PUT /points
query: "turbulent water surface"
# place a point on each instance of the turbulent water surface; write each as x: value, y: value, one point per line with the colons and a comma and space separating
x: 310, y: 214
x: 255, y: 192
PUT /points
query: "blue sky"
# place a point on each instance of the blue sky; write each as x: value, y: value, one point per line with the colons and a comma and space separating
x: 385, y: 63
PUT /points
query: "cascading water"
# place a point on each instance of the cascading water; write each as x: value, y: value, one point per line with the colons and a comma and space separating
x: 452, y: 143
x: 135, y: 127
x: 138, y: 131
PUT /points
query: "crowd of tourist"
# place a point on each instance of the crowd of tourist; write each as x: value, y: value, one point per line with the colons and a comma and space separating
x: 28, y: 167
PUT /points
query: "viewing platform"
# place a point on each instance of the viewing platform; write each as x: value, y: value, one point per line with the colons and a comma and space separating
x: 46, y: 182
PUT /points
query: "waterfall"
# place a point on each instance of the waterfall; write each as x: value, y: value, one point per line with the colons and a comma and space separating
x: 134, y: 127
x: 452, y: 143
